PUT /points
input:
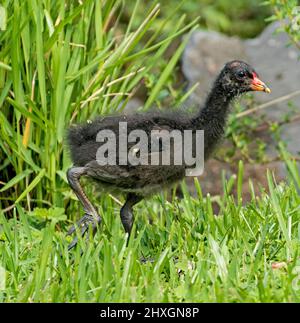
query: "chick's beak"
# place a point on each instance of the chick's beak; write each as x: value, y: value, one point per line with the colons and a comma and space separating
x: 258, y: 85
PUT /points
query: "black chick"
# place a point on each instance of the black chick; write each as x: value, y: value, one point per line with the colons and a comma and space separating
x: 138, y: 181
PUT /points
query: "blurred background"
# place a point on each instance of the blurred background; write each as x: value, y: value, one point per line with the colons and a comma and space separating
x: 245, y: 19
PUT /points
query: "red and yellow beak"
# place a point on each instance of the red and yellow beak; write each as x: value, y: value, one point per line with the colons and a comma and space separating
x: 258, y: 85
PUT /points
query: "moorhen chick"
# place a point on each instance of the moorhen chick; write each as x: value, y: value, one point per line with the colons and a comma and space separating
x: 140, y: 180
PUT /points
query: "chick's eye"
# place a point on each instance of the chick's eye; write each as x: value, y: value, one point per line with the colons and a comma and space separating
x: 241, y: 74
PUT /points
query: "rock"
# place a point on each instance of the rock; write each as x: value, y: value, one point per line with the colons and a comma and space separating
x: 205, y: 55
x: 279, y: 66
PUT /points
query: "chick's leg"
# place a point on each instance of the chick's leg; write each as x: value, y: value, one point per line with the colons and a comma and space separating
x: 91, y: 216
x: 126, y: 212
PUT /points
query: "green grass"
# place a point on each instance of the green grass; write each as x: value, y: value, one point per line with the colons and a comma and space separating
x: 196, y: 255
